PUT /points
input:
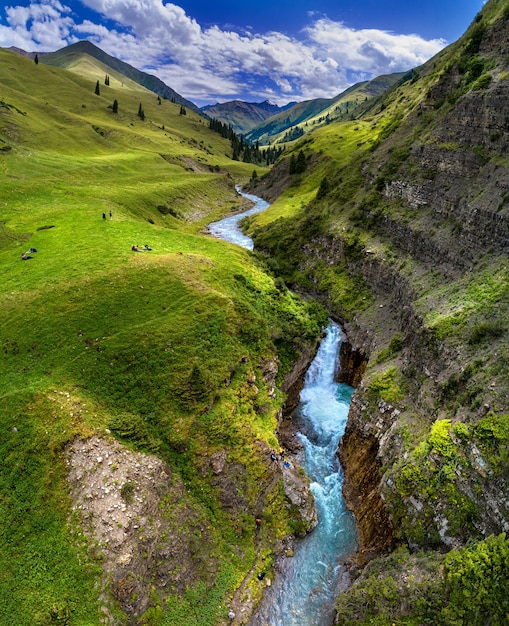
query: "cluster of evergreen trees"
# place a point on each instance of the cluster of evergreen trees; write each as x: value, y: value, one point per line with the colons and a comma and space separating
x: 294, y: 133
x: 242, y: 150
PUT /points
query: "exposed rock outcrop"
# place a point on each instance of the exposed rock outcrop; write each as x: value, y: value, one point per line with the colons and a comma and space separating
x: 358, y: 454
x: 133, y: 508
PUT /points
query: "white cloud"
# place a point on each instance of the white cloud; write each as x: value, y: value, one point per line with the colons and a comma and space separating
x: 214, y: 62
x: 40, y: 26
x: 370, y: 50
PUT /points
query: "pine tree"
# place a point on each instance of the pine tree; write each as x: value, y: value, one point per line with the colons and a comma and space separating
x: 198, y: 387
x: 97, y: 90
x: 141, y: 113
x: 106, y: 80
x: 323, y: 190
x: 115, y: 106
x: 36, y: 59
x: 183, y: 110
x: 300, y: 163
x: 158, y: 99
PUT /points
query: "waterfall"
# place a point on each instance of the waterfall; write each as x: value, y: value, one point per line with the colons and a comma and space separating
x: 303, y: 594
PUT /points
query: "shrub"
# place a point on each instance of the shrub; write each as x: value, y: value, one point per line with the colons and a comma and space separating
x: 386, y: 386
x: 127, y: 491
x: 476, y: 583
x: 440, y: 438
x: 392, y: 349
x: 492, y: 434
x: 132, y: 427
x: 487, y: 330
x: 483, y: 82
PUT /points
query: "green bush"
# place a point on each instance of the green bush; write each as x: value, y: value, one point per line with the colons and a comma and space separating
x: 387, y: 386
x: 486, y: 331
x: 466, y: 587
x: 476, y: 583
x: 492, y: 435
x: 483, y: 82
x: 395, y: 345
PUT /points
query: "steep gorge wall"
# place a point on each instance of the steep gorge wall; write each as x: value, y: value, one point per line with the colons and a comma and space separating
x: 431, y: 212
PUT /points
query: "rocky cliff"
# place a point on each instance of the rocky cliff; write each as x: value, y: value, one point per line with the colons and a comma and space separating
x: 419, y: 223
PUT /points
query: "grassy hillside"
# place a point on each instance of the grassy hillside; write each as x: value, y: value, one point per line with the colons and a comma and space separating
x: 159, y: 349
x: 400, y: 224
x: 304, y: 117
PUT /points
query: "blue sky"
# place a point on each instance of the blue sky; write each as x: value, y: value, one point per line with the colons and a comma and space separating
x: 218, y: 50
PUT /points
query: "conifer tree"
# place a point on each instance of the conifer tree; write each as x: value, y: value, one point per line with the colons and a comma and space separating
x: 97, y: 90
x: 323, y: 190
x: 158, y: 99
x: 106, y: 80
x: 300, y: 163
x: 292, y: 164
x: 141, y: 113
x: 115, y: 106
x: 36, y: 59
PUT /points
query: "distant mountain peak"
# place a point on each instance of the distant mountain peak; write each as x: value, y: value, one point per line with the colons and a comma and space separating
x: 243, y: 116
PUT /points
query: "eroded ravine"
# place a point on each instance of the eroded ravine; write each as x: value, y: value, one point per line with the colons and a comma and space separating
x: 307, y: 583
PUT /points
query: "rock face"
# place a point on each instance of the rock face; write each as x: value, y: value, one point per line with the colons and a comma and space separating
x: 353, y: 364
x: 359, y: 457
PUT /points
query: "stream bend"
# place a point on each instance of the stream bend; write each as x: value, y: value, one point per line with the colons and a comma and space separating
x: 229, y: 229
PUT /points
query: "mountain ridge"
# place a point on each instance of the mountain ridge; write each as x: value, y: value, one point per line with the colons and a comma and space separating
x: 305, y: 116
x: 243, y: 116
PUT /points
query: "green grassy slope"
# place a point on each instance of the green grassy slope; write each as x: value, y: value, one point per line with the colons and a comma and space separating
x: 155, y: 347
